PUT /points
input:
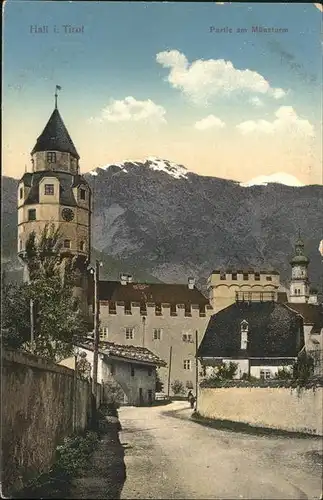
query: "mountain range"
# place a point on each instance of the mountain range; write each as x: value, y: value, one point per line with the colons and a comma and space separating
x: 156, y: 220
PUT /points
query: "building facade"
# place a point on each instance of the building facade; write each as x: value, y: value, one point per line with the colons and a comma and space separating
x: 225, y: 287
x: 299, y: 286
x: 161, y: 317
x: 55, y: 193
x: 132, y: 369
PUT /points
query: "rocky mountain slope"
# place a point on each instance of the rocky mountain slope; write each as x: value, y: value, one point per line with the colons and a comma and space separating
x: 155, y: 216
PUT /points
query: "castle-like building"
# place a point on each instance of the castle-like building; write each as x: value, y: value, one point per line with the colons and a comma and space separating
x: 54, y: 192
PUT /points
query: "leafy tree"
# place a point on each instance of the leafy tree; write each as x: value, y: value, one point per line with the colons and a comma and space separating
x: 57, y: 318
x: 177, y: 387
x: 159, y: 384
x: 303, y: 367
x: 15, y: 321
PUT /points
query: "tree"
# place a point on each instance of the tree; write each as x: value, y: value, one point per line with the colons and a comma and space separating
x: 159, y: 384
x: 57, y: 318
x: 177, y: 387
x: 15, y: 321
x: 303, y: 367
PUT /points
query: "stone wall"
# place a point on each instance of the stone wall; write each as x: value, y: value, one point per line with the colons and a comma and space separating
x: 278, y: 408
x: 41, y: 404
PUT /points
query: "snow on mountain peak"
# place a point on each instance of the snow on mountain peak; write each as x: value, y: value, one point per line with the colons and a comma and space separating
x: 277, y: 178
x: 154, y: 163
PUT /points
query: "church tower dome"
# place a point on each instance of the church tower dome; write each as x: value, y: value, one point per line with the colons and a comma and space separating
x: 299, y: 285
x: 55, y: 192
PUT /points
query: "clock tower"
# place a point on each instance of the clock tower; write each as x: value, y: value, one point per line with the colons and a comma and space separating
x: 299, y: 285
x: 55, y: 192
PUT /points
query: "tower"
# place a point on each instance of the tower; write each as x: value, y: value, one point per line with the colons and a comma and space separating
x: 55, y: 192
x: 299, y: 285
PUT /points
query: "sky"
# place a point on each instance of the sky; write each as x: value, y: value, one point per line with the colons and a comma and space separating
x: 193, y: 83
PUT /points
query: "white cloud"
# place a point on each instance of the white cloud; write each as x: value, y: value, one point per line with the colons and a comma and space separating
x: 286, y: 120
x: 203, y: 79
x: 210, y: 121
x: 255, y: 101
x: 278, y: 93
x: 129, y: 109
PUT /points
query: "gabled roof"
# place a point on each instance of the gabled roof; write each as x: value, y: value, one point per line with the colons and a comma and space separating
x: 67, y: 182
x: 125, y: 352
x: 158, y: 293
x: 312, y: 314
x: 274, y: 331
x: 55, y: 137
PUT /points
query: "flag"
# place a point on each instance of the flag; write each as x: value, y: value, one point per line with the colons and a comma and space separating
x: 58, y: 87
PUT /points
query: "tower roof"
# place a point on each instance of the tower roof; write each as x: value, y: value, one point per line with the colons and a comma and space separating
x: 55, y: 137
x: 299, y: 257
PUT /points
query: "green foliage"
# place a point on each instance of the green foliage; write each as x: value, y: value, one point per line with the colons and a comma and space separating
x: 303, y: 367
x: 113, y: 394
x: 246, y: 376
x: 225, y: 371
x: 159, y: 384
x: 57, y: 317
x: 73, y: 454
x: 177, y: 387
x: 283, y: 374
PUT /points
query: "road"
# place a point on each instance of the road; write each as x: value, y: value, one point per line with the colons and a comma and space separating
x: 168, y: 456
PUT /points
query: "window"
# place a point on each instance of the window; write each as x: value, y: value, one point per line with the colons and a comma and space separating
x: 157, y: 333
x: 132, y: 371
x: 32, y: 214
x: 82, y: 194
x: 127, y: 308
x: 234, y: 276
x: 268, y: 278
x: 158, y: 310
x: 173, y: 311
x: 21, y: 193
x: 187, y: 364
x: 265, y: 374
x: 187, y: 337
x: 51, y: 157
x: 130, y: 333
x: 82, y: 246
x: 222, y: 276
x: 67, y: 244
x: 202, y: 312
x: 49, y: 189
x: 112, y: 308
x: 187, y: 310
x: 257, y: 276
x: 150, y: 371
x: 104, y: 332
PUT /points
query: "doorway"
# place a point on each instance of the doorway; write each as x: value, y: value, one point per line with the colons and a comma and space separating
x: 141, y: 398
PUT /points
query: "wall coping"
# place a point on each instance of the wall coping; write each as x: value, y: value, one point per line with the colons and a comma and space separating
x: 9, y: 356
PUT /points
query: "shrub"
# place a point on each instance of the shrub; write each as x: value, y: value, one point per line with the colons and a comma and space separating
x: 303, y: 368
x: 113, y: 395
x: 177, y: 387
x: 159, y: 384
x: 283, y: 374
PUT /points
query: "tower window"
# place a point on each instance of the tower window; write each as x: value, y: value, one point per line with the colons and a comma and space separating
x: 51, y: 157
x: 82, y: 194
x: 257, y: 277
x: 82, y: 246
x: 32, y: 214
x: 21, y: 193
x: 49, y: 189
x: 67, y: 243
x: 245, y: 276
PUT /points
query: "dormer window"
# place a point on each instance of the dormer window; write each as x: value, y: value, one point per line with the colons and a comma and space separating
x: 49, y: 189
x: 82, y: 194
x: 244, y: 330
x: 51, y: 157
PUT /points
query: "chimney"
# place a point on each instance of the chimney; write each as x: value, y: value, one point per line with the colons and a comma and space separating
x: 191, y: 283
x: 123, y: 279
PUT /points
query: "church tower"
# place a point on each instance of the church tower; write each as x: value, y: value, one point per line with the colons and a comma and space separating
x: 299, y: 285
x: 55, y: 192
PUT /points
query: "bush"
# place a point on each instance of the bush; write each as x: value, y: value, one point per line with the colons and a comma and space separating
x: 159, y: 384
x: 177, y: 387
x: 113, y: 395
x: 225, y: 371
x: 303, y: 368
x: 283, y: 374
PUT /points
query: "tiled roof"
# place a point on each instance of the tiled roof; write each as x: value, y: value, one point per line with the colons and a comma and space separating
x: 127, y: 352
x: 274, y: 331
x: 311, y: 313
x: 67, y: 182
x: 158, y: 293
x: 55, y: 137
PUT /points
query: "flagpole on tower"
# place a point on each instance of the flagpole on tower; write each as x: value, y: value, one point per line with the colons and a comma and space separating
x: 58, y: 87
